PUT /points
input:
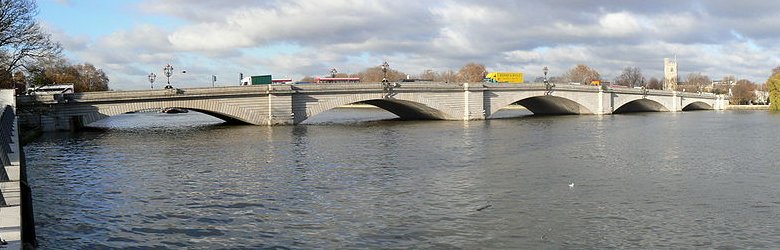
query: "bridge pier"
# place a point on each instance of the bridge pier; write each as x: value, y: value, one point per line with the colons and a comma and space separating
x: 474, y: 102
x: 606, y: 103
x: 280, y: 106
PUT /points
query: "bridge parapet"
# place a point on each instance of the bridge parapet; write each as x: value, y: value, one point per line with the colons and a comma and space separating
x: 10, y: 173
x: 156, y: 94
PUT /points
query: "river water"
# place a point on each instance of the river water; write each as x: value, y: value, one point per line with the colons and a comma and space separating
x: 705, y: 179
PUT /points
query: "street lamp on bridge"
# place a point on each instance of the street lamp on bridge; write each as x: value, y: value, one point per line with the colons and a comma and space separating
x: 385, y: 66
x: 168, y: 71
x: 151, y: 76
x: 547, y: 85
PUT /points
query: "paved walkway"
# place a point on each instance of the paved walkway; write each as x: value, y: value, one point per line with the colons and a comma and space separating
x: 10, y: 192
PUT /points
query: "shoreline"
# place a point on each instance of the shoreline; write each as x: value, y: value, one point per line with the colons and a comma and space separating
x: 747, y: 107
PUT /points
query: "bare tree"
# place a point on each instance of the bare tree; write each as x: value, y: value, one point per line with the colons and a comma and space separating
x: 375, y: 74
x: 307, y: 79
x: 90, y: 78
x: 84, y: 77
x: 776, y: 70
x: 743, y: 92
x: 655, y: 83
x: 694, y: 82
x: 446, y: 76
x: 729, y: 80
x: 631, y: 76
x: 582, y: 74
x: 21, y: 37
x: 428, y: 74
x: 472, y: 72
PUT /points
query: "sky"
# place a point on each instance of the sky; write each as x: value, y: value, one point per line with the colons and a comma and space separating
x: 295, y: 38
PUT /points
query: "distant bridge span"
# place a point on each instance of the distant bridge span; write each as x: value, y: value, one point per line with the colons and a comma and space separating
x: 293, y: 104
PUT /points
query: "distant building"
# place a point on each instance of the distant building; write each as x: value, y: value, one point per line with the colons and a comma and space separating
x: 762, y: 97
x: 670, y: 74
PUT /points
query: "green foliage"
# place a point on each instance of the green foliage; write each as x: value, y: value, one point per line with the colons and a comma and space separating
x: 774, y: 92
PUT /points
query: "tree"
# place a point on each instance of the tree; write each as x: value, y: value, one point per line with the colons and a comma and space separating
x: 631, y: 76
x: 21, y: 38
x: 695, y: 82
x: 89, y: 78
x: 84, y: 77
x: 773, y: 83
x: 307, y: 79
x: 428, y: 74
x: 375, y: 74
x: 775, y: 71
x: 655, y: 83
x: 729, y: 80
x: 743, y: 92
x: 446, y: 76
x: 582, y: 74
x: 472, y: 72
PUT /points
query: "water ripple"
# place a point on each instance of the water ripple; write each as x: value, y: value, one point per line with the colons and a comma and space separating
x: 642, y: 182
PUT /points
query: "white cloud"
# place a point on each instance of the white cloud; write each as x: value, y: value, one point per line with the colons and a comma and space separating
x: 619, y: 24
x: 245, y: 36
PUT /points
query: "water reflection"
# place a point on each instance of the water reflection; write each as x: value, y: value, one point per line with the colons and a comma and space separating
x: 653, y: 180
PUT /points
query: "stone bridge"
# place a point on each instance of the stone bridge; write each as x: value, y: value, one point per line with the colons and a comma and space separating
x: 293, y: 104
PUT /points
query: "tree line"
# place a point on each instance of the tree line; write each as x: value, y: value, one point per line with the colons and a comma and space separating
x: 471, y: 72
x: 741, y: 91
x: 773, y: 85
x: 29, y: 56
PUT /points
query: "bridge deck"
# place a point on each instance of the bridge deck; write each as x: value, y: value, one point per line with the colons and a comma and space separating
x: 289, y: 104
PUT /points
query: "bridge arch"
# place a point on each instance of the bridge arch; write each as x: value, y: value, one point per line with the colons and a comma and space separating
x: 228, y: 113
x: 697, y: 105
x: 406, y: 106
x: 641, y: 105
x: 541, y: 104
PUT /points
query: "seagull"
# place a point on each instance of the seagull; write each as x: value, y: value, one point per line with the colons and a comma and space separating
x: 571, y: 185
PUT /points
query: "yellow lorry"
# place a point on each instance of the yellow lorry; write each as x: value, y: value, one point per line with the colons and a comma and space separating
x: 513, y: 77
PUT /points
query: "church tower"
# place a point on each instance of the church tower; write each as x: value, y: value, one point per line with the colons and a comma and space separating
x: 670, y: 74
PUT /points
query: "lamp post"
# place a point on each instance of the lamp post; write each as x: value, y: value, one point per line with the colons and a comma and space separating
x: 333, y: 72
x: 385, y: 66
x: 151, y: 76
x: 547, y: 85
x: 168, y: 71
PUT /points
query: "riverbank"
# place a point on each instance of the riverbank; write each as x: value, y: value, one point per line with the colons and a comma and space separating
x: 747, y: 107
